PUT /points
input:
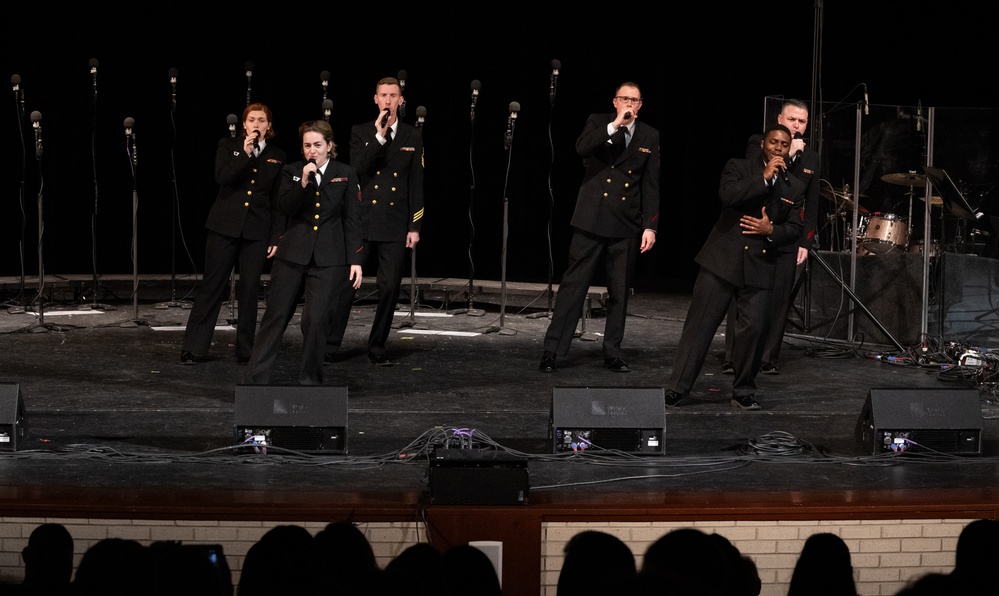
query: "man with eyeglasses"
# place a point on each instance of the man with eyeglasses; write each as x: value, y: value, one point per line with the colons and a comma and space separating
x: 615, y: 219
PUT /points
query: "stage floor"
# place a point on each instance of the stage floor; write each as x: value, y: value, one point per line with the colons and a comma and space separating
x: 108, y: 407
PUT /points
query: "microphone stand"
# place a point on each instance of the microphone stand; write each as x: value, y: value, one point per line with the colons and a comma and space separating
x: 551, y: 202
x: 93, y: 217
x: 40, y: 325
x: 133, y: 162
x: 413, y: 289
x: 470, y: 309
x: 502, y: 330
x: 18, y: 306
x: 174, y: 213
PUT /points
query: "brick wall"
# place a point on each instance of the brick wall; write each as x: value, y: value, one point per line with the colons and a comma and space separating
x: 885, y: 553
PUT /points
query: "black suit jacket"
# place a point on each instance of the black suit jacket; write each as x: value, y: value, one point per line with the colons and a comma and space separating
x: 248, y: 189
x: 805, y: 167
x: 324, y: 222
x: 749, y: 259
x: 619, y: 195
x: 391, y: 179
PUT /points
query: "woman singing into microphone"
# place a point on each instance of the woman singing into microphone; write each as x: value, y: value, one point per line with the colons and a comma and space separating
x: 321, y: 251
x: 243, y: 229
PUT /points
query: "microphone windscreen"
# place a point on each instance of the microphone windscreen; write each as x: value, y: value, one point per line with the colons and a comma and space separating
x: 402, y: 75
x: 248, y: 67
x: 172, y: 72
x: 556, y: 65
x: 232, y: 119
x: 476, y: 85
x: 421, y: 112
x: 798, y: 135
x: 324, y: 76
x: 129, y: 122
x: 514, y: 107
x: 36, y: 116
x: 15, y: 79
x: 93, y: 63
x: 327, y: 104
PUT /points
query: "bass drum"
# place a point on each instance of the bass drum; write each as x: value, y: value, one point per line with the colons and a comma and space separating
x: 916, y: 248
x: 884, y: 233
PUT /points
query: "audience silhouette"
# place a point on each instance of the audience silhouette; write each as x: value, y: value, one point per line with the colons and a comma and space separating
x: 114, y: 567
x: 976, y: 565
x: 48, y: 562
x: 596, y: 563
x: 745, y: 576
x: 824, y: 568
x: 468, y: 570
x: 343, y: 558
x: 418, y: 571
x: 340, y: 561
x: 279, y: 563
x: 686, y: 561
x: 189, y: 569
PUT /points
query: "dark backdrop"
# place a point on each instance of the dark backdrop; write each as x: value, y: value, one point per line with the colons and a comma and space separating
x: 705, y: 71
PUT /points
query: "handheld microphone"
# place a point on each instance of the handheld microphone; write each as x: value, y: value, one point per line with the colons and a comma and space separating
x: 36, y: 123
x: 476, y: 85
x: 315, y: 173
x: 93, y: 74
x: 627, y: 115
x: 256, y: 139
x: 867, y: 103
x: 421, y: 115
x: 511, y: 123
x: 551, y: 89
x: 232, y: 120
x: 173, y: 84
x: 324, y: 77
x: 401, y: 111
x: 384, y: 120
x: 327, y: 109
x: 783, y: 175
x: 130, y: 137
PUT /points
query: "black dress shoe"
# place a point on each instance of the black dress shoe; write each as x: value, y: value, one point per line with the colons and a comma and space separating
x: 770, y: 368
x: 548, y: 363
x: 746, y: 402
x: 673, y: 399
x: 616, y: 365
x: 242, y: 360
x: 379, y: 359
x: 188, y: 357
x: 327, y: 358
x: 728, y: 368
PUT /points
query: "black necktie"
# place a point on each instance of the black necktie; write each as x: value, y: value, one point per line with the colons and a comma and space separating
x: 388, y: 136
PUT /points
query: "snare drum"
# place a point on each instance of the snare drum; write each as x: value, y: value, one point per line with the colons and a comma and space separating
x: 883, y: 233
x: 917, y: 248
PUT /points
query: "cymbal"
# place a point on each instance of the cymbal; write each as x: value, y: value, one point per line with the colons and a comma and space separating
x: 843, y: 201
x: 934, y: 200
x: 906, y: 179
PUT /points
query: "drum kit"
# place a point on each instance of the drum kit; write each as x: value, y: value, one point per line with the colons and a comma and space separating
x: 881, y: 233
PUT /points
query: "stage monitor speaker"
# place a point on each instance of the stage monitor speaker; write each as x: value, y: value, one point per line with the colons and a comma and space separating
x: 477, y: 477
x: 300, y: 417
x: 927, y: 420
x: 628, y: 419
x: 13, y: 429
